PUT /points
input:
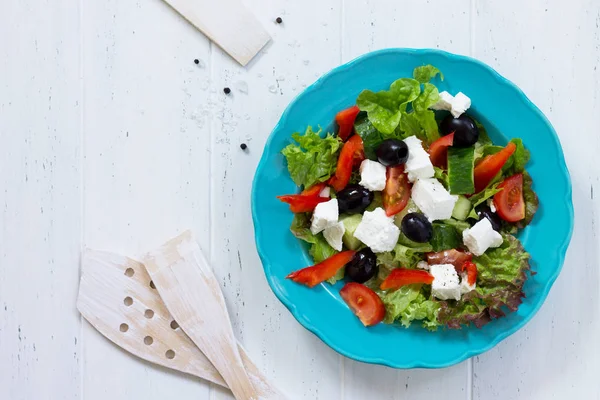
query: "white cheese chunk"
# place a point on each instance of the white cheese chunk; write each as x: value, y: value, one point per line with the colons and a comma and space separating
x: 325, y: 214
x: 433, y: 199
x: 326, y: 192
x: 481, y: 237
x: 460, y: 104
x: 372, y: 175
x: 377, y: 231
x: 333, y: 235
x: 491, y: 205
x: 418, y: 165
x: 464, y: 284
x: 445, y: 284
x: 423, y: 265
x: 444, y: 103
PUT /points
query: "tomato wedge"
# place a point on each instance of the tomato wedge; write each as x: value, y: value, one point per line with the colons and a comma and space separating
x: 300, y: 203
x: 397, y: 190
x: 471, y: 269
x: 345, y: 120
x: 351, y: 154
x: 489, y: 167
x: 364, y: 303
x: 314, y: 190
x: 509, y: 202
x: 438, y: 151
x: 312, y: 276
x: 402, y: 276
x: 454, y: 257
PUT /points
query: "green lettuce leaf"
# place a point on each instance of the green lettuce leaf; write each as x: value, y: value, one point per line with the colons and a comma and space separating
x: 408, y: 304
x: 481, y: 197
x: 516, y: 162
x: 441, y: 176
x: 385, y: 108
x: 460, y: 226
x: 426, y: 117
x: 319, y: 250
x: 407, y: 255
x: 313, y: 159
x: 425, y: 73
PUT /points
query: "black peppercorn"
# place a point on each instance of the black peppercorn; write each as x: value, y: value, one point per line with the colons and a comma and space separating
x: 227, y: 90
x: 279, y: 20
x: 243, y: 146
x: 196, y: 61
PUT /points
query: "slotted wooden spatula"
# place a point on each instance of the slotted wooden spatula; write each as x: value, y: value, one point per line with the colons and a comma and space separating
x: 191, y: 293
x: 118, y: 297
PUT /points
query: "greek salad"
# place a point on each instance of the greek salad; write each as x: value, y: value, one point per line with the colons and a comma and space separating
x: 413, y: 206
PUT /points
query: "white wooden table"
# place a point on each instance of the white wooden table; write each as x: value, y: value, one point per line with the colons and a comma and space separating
x: 111, y: 137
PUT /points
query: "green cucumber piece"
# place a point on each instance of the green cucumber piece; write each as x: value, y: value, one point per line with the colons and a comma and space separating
x: 445, y: 237
x: 350, y: 224
x: 461, y: 208
x: 461, y: 163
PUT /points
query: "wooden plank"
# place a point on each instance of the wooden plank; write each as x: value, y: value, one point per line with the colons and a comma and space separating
x: 550, y: 50
x: 369, y: 26
x: 40, y: 150
x: 146, y: 162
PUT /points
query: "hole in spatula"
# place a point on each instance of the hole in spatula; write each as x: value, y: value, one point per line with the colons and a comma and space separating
x: 124, y: 327
x: 152, y: 285
x: 129, y: 272
x: 148, y: 340
x: 149, y: 314
x: 170, y: 354
x: 174, y: 324
x: 128, y: 301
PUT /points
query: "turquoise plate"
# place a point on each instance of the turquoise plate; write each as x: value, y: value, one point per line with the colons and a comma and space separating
x: 506, y: 113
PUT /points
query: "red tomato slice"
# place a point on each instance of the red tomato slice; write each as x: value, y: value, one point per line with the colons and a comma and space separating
x: 364, y: 303
x: 438, y: 151
x: 397, y: 191
x: 352, y: 151
x: 454, y: 257
x: 300, y: 203
x: 489, y: 167
x: 402, y: 276
x: 314, y: 190
x: 312, y: 276
x: 471, y: 272
x: 345, y: 120
x: 509, y: 201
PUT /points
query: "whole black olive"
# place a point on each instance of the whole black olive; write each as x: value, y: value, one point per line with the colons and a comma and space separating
x: 485, y: 212
x: 392, y: 152
x: 465, y: 130
x: 417, y: 227
x: 354, y: 199
x: 363, y: 266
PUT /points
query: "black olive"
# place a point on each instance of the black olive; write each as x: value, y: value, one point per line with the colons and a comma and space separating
x: 354, y: 199
x: 485, y: 212
x: 363, y: 266
x: 465, y: 130
x: 417, y: 227
x: 392, y: 152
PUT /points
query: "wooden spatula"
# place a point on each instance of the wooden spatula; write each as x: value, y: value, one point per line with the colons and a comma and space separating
x: 191, y: 293
x: 228, y: 23
x: 117, y: 296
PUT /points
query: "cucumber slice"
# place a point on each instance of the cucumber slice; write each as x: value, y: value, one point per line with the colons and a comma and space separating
x: 461, y: 208
x: 410, y: 207
x: 460, y: 170
x: 445, y: 237
x: 350, y: 224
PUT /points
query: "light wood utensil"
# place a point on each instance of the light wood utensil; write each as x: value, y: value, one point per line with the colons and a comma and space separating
x: 117, y: 296
x: 228, y: 23
x: 191, y: 293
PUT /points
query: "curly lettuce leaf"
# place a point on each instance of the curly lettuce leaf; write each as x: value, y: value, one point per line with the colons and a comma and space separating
x: 385, y: 108
x: 532, y: 202
x: 319, y: 250
x: 441, y: 176
x: 408, y: 304
x: 426, y: 117
x: 516, y: 163
x: 313, y: 159
x: 425, y: 73
x: 501, y: 275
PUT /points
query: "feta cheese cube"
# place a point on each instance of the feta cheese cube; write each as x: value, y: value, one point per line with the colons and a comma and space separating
x: 464, y: 284
x: 372, y: 175
x: 444, y: 103
x: 325, y: 214
x: 418, y: 165
x: 333, y: 235
x: 460, y: 104
x: 423, y: 265
x: 481, y: 237
x: 326, y: 192
x: 433, y: 199
x: 377, y: 231
x: 445, y: 284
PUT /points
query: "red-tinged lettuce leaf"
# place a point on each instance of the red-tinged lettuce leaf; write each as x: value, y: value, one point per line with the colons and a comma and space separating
x: 501, y: 275
x: 532, y: 202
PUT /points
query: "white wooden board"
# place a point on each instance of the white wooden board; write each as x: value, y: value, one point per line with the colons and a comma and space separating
x: 108, y: 126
